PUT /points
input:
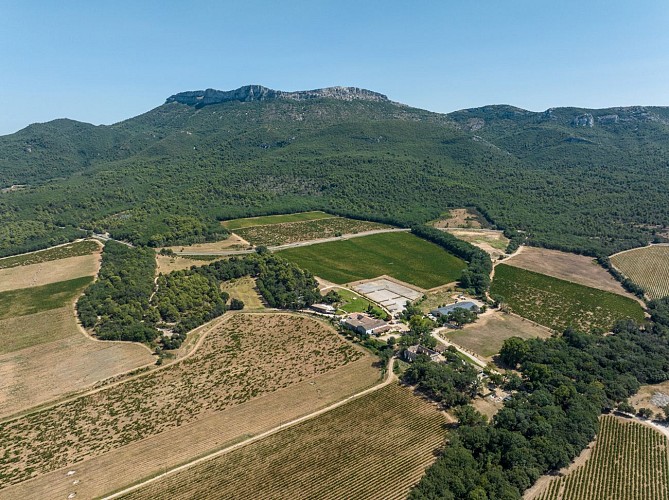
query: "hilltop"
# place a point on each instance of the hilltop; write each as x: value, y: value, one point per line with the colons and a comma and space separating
x: 587, y: 180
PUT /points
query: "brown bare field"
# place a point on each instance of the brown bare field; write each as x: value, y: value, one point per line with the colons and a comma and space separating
x: 458, y: 217
x: 643, y: 398
x: 45, y: 273
x: 648, y: 267
x: 245, y: 290
x: 52, y: 358
x: 567, y: 266
x: 242, y: 357
x: 294, y: 232
x: 488, y: 240
x: 486, y: 335
x: 234, y: 242
x: 375, y: 447
x: 167, y: 263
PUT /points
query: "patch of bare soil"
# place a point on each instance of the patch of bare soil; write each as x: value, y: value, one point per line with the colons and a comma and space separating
x: 459, y: 217
x: 234, y: 242
x: 567, y: 266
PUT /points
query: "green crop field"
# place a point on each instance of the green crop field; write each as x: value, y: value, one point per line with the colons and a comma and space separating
x: 376, y: 446
x: 273, y: 219
x: 400, y: 255
x: 629, y: 461
x: 559, y: 304
x: 40, y: 298
x: 70, y: 250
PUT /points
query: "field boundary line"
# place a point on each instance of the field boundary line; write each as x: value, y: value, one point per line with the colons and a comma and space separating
x: 639, y: 248
x: 88, y: 392
x: 390, y: 377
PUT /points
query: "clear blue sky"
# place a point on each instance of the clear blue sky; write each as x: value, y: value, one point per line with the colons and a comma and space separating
x: 102, y: 62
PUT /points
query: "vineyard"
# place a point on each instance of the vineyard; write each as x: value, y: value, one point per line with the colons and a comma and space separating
x: 241, y: 358
x: 648, y: 267
x: 629, y: 462
x: 293, y: 232
x: 375, y: 447
x: 559, y: 304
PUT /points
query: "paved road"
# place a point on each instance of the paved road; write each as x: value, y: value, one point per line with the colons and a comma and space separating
x: 300, y: 243
x: 390, y: 377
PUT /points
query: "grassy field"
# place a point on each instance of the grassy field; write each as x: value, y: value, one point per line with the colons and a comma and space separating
x: 244, y: 357
x: 377, y: 446
x: 232, y: 242
x: 436, y: 299
x: 493, y: 242
x: 70, y: 250
x: 400, y: 255
x: 567, y: 266
x: 558, y: 304
x: 293, y: 232
x: 40, y: 298
x: 245, y: 290
x: 167, y: 263
x: 648, y: 267
x: 273, y: 219
x: 486, y: 335
x: 352, y: 302
x: 628, y: 462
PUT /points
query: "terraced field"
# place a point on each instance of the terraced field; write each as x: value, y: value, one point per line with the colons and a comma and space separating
x: 244, y: 357
x: 375, y: 447
x: 648, y: 267
x: 630, y: 461
x: 559, y: 304
x: 400, y: 255
x: 293, y: 232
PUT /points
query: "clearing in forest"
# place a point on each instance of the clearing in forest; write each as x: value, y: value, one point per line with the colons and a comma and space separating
x: 295, y: 232
x: 375, y: 447
x: 234, y: 224
x: 567, y: 266
x: 652, y: 396
x: 629, y: 461
x: 401, y: 255
x: 486, y: 336
x: 242, y: 357
x: 488, y: 240
x: 559, y: 304
x: 460, y: 217
x: 165, y: 264
x: 245, y: 290
x: 648, y: 267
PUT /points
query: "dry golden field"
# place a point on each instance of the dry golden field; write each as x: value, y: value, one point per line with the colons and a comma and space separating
x: 244, y: 356
x: 245, y: 290
x: 45, y: 273
x: 375, y: 447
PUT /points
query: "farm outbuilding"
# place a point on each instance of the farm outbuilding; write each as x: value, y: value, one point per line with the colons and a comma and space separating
x: 365, y: 324
x: 445, y: 310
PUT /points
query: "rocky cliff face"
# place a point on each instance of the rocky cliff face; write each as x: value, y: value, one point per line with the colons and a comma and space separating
x: 259, y: 93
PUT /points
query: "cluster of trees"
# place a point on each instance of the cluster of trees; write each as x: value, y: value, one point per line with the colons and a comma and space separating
x: 453, y: 383
x: 566, y: 383
x: 117, y: 305
x: 477, y: 275
x: 120, y: 306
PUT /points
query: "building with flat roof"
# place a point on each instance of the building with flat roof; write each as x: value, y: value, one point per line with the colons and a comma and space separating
x: 322, y: 308
x: 443, y: 311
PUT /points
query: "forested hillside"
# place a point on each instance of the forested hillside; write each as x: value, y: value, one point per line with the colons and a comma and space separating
x: 592, y: 181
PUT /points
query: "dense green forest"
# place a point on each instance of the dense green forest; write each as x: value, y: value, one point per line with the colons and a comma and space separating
x: 122, y: 305
x: 567, y: 382
x: 167, y: 176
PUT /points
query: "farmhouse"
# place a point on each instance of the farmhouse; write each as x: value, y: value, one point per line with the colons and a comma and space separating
x: 322, y: 308
x: 365, y: 324
x: 412, y: 352
x: 445, y: 310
